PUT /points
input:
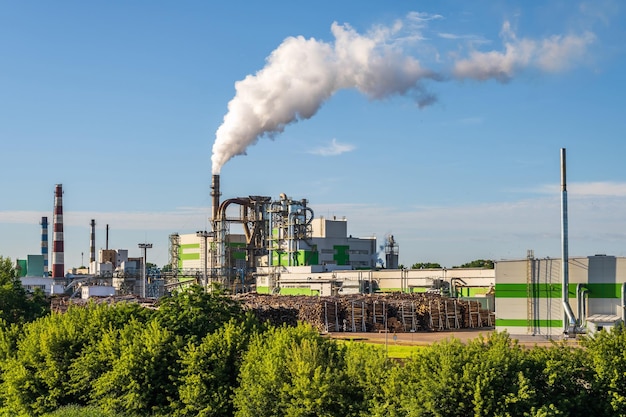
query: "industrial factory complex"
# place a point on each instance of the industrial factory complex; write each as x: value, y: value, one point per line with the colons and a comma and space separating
x: 278, y: 247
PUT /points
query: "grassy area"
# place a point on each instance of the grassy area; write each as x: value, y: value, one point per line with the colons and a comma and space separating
x: 394, y: 351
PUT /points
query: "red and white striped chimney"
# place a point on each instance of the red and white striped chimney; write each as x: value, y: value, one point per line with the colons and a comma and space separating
x: 58, y: 262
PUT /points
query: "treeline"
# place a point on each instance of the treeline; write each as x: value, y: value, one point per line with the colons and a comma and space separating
x: 200, y: 354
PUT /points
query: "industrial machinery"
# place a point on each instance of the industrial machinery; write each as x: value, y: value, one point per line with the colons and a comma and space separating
x: 275, y: 231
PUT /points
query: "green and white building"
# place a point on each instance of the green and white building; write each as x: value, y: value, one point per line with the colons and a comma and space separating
x: 529, y: 299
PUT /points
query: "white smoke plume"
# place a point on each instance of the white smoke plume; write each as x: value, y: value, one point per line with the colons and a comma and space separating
x: 301, y: 74
x: 553, y: 54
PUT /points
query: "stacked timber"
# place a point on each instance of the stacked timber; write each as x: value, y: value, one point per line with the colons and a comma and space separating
x: 368, y: 313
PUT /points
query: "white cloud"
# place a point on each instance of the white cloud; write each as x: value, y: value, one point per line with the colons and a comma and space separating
x: 587, y: 189
x: 333, y: 149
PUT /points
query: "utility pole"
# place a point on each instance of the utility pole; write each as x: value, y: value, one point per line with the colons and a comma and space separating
x: 145, y: 247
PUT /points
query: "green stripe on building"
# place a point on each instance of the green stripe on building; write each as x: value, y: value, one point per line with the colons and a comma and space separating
x: 526, y: 323
x: 190, y: 246
x: 547, y: 290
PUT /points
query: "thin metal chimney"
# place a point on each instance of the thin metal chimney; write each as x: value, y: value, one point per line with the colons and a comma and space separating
x: 107, y: 243
x: 58, y: 261
x: 92, y: 242
x: 215, y: 193
x: 44, y: 244
x: 569, y: 315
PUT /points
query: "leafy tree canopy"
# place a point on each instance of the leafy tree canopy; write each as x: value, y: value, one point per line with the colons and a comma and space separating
x: 426, y: 265
x: 478, y: 263
x: 16, y: 304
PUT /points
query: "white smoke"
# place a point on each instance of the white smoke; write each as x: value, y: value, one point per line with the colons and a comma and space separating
x: 553, y: 54
x: 301, y: 74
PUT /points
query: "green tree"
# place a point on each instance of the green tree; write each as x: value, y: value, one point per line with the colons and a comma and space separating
x: 563, y: 382
x: 36, y: 377
x: 292, y: 371
x: 82, y: 411
x: 208, y: 377
x: 193, y: 313
x: 425, y: 265
x: 478, y: 263
x: 16, y: 305
x: 368, y: 369
x: 456, y: 379
x: 606, y: 352
x: 141, y: 378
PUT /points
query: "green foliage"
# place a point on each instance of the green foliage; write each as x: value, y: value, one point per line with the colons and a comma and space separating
x: 368, y: 369
x: 139, y: 378
x: 426, y: 265
x: 36, y: 377
x: 292, y: 372
x: 82, y: 411
x: 16, y: 305
x: 564, y: 382
x: 209, y: 370
x: 606, y: 355
x: 193, y: 314
x: 478, y: 263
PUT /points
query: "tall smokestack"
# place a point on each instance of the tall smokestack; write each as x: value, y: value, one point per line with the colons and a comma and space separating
x: 569, y: 315
x: 92, y: 242
x: 44, y: 244
x: 215, y: 193
x: 107, y: 244
x: 58, y: 262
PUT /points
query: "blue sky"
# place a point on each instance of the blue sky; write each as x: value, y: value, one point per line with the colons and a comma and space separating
x: 437, y: 122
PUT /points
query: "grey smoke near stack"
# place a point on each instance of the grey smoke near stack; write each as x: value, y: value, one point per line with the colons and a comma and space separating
x: 301, y: 74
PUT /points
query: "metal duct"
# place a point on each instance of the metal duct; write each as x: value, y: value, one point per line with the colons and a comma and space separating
x: 44, y: 244
x: 58, y: 262
x: 564, y: 250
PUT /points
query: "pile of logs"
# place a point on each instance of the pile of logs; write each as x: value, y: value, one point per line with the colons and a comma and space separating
x: 369, y: 313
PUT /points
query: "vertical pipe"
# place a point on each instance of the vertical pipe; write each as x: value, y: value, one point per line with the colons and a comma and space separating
x: 92, y: 242
x: 44, y: 244
x: 107, y: 238
x: 215, y: 193
x: 58, y: 262
x: 568, y: 314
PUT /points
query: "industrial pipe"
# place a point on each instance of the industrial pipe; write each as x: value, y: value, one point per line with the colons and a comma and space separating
x: 580, y: 297
x: 624, y: 302
x: 564, y: 250
x: 215, y: 194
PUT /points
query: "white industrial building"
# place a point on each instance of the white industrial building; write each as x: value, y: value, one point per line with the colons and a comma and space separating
x: 529, y: 297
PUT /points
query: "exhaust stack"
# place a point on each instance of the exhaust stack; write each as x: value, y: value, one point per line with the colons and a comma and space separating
x: 58, y: 262
x: 215, y: 194
x: 92, y: 242
x: 569, y: 315
x: 44, y: 244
